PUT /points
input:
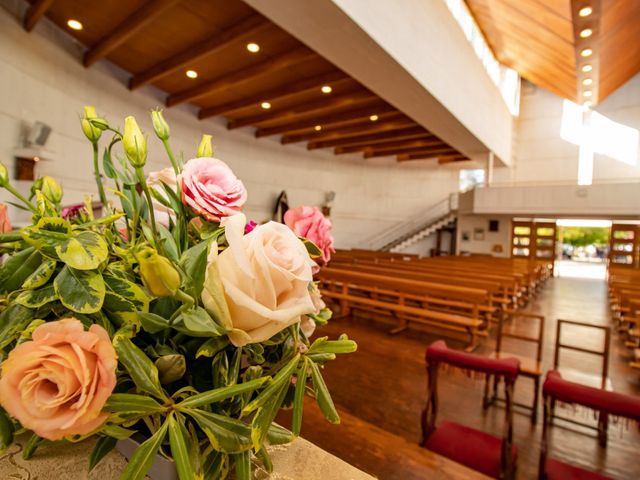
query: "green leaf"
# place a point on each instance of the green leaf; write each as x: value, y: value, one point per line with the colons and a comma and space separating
x: 170, y: 246
x: 116, y: 431
x: 103, y: 446
x: 85, y: 251
x: 130, y: 405
x: 81, y: 291
x: 18, y: 268
x: 265, y: 415
x: 141, y: 461
x: 322, y: 395
x: 312, y: 248
x: 298, y: 399
x: 213, y: 292
x: 222, y: 393
x: 243, y: 465
x: 278, y: 435
x: 196, y: 322
x: 211, y: 346
x: 141, y: 369
x: 124, y: 296
x: 225, y: 434
x: 283, y: 377
x: 194, y: 265
x: 41, y: 276
x: 263, y: 455
x: 323, y: 345
x: 31, y: 446
x: 6, y: 430
x: 107, y: 164
x: 13, y: 320
x: 47, y: 234
x: 152, y: 323
x: 37, y: 298
x: 179, y: 450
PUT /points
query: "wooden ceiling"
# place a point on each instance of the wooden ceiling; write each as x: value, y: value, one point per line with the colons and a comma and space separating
x: 158, y: 41
x: 541, y: 40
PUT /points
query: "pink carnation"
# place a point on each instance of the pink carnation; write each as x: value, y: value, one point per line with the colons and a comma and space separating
x: 211, y: 189
x: 310, y: 223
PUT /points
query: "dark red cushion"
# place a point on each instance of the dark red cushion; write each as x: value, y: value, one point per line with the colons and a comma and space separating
x: 556, y: 470
x: 468, y: 446
x: 506, y: 367
x: 613, y: 403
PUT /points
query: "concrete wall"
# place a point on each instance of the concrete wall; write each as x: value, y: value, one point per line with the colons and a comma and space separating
x: 42, y: 79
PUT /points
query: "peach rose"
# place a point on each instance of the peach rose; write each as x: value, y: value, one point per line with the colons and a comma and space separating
x: 211, y: 189
x: 57, y: 383
x: 310, y: 223
x: 265, y: 275
x: 155, y: 180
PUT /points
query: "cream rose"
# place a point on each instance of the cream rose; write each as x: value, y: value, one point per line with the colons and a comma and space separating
x: 57, y: 384
x: 265, y: 275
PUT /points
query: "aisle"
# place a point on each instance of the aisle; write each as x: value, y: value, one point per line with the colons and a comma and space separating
x: 383, y: 386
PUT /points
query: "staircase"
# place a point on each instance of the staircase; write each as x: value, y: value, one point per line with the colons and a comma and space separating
x: 410, y: 231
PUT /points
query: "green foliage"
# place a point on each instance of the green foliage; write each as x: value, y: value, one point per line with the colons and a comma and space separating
x: 583, y: 236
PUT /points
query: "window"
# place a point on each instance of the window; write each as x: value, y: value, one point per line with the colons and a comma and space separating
x: 470, y: 178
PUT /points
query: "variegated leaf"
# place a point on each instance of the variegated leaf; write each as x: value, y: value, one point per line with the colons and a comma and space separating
x: 81, y: 291
x: 85, y: 251
x: 37, y: 298
x: 41, y: 275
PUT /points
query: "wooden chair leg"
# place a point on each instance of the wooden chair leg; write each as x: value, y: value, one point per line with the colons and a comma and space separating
x: 486, y: 401
x: 536, y: 398
x: 473, y: 340
x: 603, y: 428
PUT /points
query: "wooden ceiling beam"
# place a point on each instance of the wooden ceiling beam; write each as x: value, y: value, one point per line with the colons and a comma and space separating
x: 370, y: 138
x: 403, y: 157
x: 426, y: 140
x: 34, y: 13
x: 442, y: 160
x: 359, y: 115
x: 389, y: 122
x: 444, y: 149
x: 278, y: 93
x: 131, y: 25
x: 243, y: 75
x: 333, y: 102
x: 244, y: 28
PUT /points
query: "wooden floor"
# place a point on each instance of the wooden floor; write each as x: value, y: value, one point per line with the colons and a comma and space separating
x: 379, y: 392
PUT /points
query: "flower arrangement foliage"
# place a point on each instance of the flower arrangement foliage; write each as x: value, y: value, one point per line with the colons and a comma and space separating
x: 169, y: 318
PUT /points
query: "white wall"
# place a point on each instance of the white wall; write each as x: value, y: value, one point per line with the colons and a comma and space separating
x: 469, y: 223
x: 540, y: 155
x: 41, y: 78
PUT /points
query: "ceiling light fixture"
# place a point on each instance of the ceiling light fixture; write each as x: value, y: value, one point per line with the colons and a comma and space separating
x: 585, y: 11
x: 253, y: 47
x: 74, y: 24
x: 265, y: 105
x: 587, y: 93
x: 587, y: 68
x: 191, y: 74
x: 317, y: 128
x: 586, y: 33
x: 587, y: 81
x: 586, y: 52
x: 373, y: 118
x: 326, y: 89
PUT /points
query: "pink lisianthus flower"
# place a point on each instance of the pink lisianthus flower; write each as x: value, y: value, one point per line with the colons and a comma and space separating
x: 211, y: 189
x: 250, y: 226
x: 310, y: 223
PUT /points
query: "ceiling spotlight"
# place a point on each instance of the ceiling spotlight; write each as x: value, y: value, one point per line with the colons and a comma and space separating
x: 587, y: 68
x: 587, y: 81
x: 317, y: 128
x: 253, y: 47
x: 587, y: 93
x: 74, y: 24
x: 191, y: 74
x: 586, y: 33
x: 585, y: 11
x: 326, y: 89
x: 587, y: 104
x: 373, y: 118
x: 586, y: 52
x: 265, y: 105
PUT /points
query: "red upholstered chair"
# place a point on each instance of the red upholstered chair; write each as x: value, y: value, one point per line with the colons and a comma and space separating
x: 604, y: 402
x: 490, y: 455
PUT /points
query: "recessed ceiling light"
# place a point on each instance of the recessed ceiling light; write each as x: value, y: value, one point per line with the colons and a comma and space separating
x: 326, y: 89
x: 587, y: 68
x: 253, y: 47
x: 587, y: 93
x: 588, y: 103
x: 587, y: 81
x: 265, y: 105
x: 586, y: 33
x: 586, y: 52
x: 317, y: 128
x: 585, y: 11
x: 75, y: 24
x: 191, y: 74
x: 373, y: 118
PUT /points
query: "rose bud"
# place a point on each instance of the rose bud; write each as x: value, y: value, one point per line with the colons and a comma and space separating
x: 90, y: 131
x: 4, y: 175
x: 160, y: 126
x: 158, y: 273
x: 134, y: 143
x: 205, y: 149
x: 51, y: 189
x: 171, y: 368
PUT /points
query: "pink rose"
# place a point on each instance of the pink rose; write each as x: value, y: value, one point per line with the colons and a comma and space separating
x: 310, y: 223
x: 5, y: 224
x: 57, y: 384
x: 211, y: 189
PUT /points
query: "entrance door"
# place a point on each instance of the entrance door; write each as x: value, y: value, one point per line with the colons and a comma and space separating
x: 623, y: 245
x: 534, y: 240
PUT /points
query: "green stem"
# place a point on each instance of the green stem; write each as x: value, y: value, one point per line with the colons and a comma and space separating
x: 152, y: 216
x: 20, y: 197
x: 172, y: 158
x: 96, y: 173
x: 184, y: 298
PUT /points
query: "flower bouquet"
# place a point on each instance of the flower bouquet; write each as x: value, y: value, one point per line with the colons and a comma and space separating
x: 168, y: 318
